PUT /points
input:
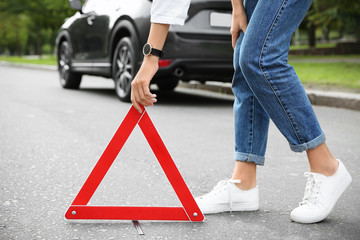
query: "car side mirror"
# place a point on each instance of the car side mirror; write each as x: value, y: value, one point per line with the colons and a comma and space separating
x: 76, y: 4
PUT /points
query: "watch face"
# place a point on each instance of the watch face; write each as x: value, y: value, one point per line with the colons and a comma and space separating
x: 147, y: 49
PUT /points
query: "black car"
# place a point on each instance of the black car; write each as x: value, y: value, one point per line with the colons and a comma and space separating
x: 105, y: 38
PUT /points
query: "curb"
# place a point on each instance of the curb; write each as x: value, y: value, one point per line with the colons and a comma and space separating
x: 317, y: 97
x: 29, y: 65
x: 334, y: 99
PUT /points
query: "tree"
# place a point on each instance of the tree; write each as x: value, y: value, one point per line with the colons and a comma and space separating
x: 13, y: 32
x: 335, y: 15
x: 43, y: 17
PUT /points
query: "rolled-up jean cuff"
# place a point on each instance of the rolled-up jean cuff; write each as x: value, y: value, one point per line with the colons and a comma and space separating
x: 248, y: 157
x: 309, y: 145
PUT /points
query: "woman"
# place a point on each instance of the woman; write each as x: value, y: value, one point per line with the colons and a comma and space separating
x: 265, y: 87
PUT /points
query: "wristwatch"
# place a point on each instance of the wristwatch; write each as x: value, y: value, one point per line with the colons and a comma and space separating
x: 149, y: 50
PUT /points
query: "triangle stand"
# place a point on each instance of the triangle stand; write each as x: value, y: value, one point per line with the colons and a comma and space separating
x: 189, y: 210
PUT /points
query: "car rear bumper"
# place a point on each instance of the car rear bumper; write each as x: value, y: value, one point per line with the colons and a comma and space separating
x: 201, y: 69
x: 197, y: 56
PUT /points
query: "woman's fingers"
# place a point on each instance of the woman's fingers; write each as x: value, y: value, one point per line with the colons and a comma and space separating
x: 141, y: 95
x: 145, y: 97
x: 234, y: 37
x: 134, y: 99
x: 150, y: 98
x: 244, y: 27
x: 239, y: 22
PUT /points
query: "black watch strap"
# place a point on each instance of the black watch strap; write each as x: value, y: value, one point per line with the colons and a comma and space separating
x: 157, y: 52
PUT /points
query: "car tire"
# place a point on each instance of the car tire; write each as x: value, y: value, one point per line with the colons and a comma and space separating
x: 124, y: 68
x: 167, y: 84
x: 68, y: 78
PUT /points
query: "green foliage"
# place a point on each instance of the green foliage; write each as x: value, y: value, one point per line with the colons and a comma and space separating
x: 13, y: 32
x: 28, y: 26
x: 340, y: 15
x: 31, y: 26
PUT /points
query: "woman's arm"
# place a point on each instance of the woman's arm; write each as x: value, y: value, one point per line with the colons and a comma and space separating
x: 239, y: 20
x: 140, y: 91
x: 163, y: 13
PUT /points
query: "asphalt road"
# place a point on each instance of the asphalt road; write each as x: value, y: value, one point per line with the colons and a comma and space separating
x: 51, y: 139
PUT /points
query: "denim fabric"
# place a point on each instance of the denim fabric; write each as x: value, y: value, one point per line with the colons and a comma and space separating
x: 266, y: 86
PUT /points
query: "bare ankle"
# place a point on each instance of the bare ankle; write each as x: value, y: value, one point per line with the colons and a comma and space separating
x: 322, y: 161
x: 246, y: 172
x: 246, y: 186
x: 328, y: 169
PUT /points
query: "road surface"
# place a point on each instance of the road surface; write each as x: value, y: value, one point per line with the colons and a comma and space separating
x: 51, y: 139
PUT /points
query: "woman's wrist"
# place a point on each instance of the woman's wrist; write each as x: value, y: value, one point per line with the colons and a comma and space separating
x: 237, y: 7
x: 237, y: 3
x: 150, y: 65
x: 238, y: 12
x: 151, y: 59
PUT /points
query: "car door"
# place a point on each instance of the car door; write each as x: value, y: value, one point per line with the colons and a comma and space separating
x: 88, y: 35
x: 101, y: 32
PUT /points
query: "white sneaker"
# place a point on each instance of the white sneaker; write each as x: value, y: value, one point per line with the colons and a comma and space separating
x: 226, y: 196
x: 321, y: 194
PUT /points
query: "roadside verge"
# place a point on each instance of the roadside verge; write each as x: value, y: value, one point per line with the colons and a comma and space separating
x: 317, y: 97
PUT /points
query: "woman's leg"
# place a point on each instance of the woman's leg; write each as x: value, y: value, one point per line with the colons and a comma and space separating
x: 263, y: 61
x: 279, y: 91
x: 264, y: 53
x: 251, y: 122
x: 251, y: 127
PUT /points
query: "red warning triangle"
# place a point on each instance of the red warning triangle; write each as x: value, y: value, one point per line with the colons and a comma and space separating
x: 189, y: 210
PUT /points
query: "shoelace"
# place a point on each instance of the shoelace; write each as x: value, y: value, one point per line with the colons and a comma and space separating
x: 216, y: 190
x: 312, y: 189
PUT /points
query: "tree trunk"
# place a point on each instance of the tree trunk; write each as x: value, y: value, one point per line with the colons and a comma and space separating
x: 38, y: 46
x: 311, y: 36
x: 357, y: 30
x: 325, y: 33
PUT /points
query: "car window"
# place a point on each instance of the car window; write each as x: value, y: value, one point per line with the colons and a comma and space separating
x: 89, y: 6
x: 99, y: 6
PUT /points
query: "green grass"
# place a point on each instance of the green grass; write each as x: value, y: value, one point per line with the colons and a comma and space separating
x: 324, y: 57
x: 44, y: 60
x: 338, y: 74
x: 322, y: 45
x: 328, y: 74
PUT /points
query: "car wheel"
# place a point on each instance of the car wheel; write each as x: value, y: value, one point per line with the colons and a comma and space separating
x: 124, y: 68
x: 167, y: 84
x: 68, y: 79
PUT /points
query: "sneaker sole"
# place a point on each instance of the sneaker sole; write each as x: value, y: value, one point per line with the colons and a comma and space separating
x: 313, y: 219
x: 235, y: 208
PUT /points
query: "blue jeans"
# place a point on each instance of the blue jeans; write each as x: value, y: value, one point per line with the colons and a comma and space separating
x: 266, y: 86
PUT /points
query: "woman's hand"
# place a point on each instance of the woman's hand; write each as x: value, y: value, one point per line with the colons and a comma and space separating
x: 239, y: 21
x: 140, y: 86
